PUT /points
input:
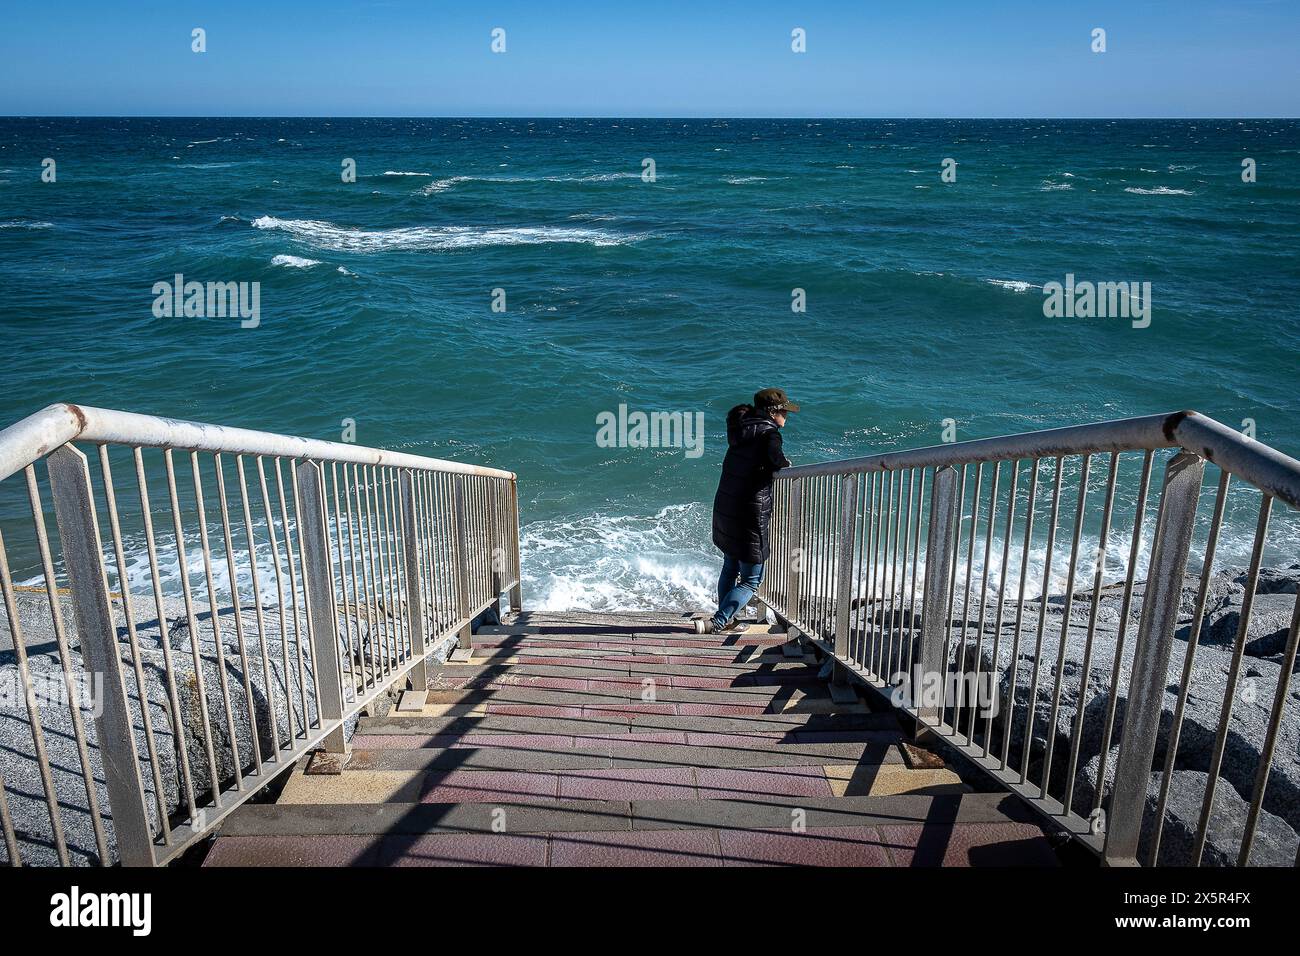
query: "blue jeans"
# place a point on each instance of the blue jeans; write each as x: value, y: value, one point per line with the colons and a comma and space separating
x: 737, y: 584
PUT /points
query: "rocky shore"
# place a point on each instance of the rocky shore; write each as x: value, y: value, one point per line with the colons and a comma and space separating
x: 1088, y: 695
x: 285, y: 670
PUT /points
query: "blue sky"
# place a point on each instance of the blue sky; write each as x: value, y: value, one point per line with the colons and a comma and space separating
x: 653, y: 58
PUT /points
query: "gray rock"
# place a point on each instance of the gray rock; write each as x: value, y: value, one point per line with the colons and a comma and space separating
x: 1273, y: 580
x: 1266, y: 632
x: 265, y: 694
x: 1274, y: 844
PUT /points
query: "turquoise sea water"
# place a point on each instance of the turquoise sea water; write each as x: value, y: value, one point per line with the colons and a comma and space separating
x: 924, y: 298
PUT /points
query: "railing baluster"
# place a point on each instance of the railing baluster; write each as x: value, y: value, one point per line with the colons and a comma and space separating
x: 33, y: 710
x: 1189, y: 660
x: 1002, y: 596
x: 1174, y: 526
x: 844, y: 564
x: 418, y: 674
x: 984, y: 590
x: 1059, y: 678
x: 74, y: 510
x: 1020, y: 614
x: 796, y: 554
x: 320, y: 605
x: 952, y: 589
x: 963, y: 646
x: 460, y: 548
x: 1270, y: 738
x: 1099, y: 571
x: 1031, y: 711
x: 941, y: 544
x: 1120, y: 638
x: 516, y: 570
x: 128, y: 612
x: 916, y: 560
x: 1234, y: 672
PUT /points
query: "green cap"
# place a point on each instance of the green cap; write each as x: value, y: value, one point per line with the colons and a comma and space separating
x: 774, y: 400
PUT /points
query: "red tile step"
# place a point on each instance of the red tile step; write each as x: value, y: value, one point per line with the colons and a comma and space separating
x: 992, y: 844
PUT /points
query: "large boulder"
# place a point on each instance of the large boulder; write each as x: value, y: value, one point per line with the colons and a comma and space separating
x: 1266, y: 631
x: 1274, y: 844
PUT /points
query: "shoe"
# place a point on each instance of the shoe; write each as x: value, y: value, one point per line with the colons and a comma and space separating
x: 735, y: 627
x: 703, y: 625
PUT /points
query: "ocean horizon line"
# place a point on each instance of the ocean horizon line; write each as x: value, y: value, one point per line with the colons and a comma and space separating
x: 598, y: 116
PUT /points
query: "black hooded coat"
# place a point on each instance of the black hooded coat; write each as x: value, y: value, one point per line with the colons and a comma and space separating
x: 742, y: 508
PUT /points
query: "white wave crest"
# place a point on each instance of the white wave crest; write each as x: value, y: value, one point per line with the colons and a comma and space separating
x: 442, y: 185
x: 390, y: 172
x: 439, y: 185
x: 294, y: 262
x: 327, y: 235
x: 660, y: 561
x: 1013, y: 285
x: 25, y: 224
x: 1158, y: 191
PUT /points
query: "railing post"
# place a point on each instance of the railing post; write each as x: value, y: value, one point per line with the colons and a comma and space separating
x: 1146, y: 690
x: 74, y: 512
x: 516, y: 590
x: 794, y: 593
x: 418, y: 674
x: 844, y: 580
x: 496, y: 554
x: 464, y: 635
x: 940, y: 543
x: 321, y: 610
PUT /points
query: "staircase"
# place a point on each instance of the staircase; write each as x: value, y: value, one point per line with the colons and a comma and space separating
x: 600, y: 740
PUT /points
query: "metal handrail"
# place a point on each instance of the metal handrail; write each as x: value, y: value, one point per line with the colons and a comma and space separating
x: 874, y: 561
x: 36, y: 435
x: 1268, y: 469
x: 354, y: 570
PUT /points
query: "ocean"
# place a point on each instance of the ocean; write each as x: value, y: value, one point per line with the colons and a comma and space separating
x: 486, y: 289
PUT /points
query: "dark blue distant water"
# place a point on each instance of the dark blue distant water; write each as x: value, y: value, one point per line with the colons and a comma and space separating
x: 923, y: 297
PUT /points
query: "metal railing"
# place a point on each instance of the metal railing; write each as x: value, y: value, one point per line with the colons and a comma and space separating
x: 934, y: 576
x: 231, y: 597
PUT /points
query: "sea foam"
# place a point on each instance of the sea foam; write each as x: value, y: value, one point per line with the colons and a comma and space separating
x: 294, y: 262
x: 327, y: 235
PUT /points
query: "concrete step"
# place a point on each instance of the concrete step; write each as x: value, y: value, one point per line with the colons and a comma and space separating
x: 523, y: 644
x: 918, y: 845
x: 722, y: 751
x: 667, y: 631
x: 639, y: 653
x: 607, y: 698
x: 444, y: 688
x: 525, y: 816
x: 622, y: 742
x: 798, y: 726
x: 876, y: 831
x: 761, y: 632
x: 460, y: 675
x: 496, y: 775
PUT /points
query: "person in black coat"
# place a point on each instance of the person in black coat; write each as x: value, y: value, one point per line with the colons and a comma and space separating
x: 742, y: 507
